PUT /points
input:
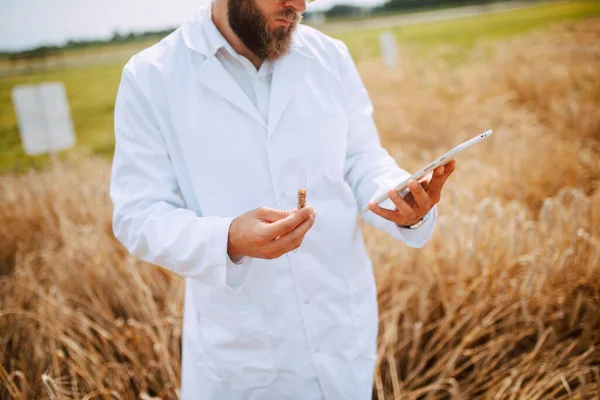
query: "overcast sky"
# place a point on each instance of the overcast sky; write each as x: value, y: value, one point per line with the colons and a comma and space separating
x: 30, y: 23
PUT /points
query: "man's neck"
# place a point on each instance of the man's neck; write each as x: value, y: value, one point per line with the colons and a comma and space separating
x: 219, y: 17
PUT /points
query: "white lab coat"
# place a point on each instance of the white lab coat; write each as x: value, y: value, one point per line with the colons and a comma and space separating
x: 192, y: 153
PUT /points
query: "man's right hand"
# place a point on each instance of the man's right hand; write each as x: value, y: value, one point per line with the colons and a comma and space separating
x: 268, y: 233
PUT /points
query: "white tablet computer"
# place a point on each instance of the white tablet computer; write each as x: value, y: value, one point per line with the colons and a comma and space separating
x: 402, y: 187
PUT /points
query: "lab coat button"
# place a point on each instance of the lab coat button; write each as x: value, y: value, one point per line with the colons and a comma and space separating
x: 307, y: 301
x: 317, y: 350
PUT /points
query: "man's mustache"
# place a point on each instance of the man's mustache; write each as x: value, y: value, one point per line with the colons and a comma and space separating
x: 288, y: 15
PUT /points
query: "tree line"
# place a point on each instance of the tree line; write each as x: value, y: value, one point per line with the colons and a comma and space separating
x: 397, y: 6
x: 337, y: 11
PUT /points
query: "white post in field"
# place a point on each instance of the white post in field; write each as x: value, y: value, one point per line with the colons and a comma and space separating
x: 389, y: 49
x: 44, y: 118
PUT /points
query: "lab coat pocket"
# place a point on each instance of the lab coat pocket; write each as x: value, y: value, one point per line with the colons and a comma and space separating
x: 236, y: 346
x: 363, y: 294
x: 332, y: 139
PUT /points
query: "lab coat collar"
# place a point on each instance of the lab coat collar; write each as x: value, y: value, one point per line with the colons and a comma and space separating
x: 288, y: 71
x: 214, y: 76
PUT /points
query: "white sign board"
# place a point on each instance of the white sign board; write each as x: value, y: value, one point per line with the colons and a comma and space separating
x: 389, y: 49
x: 44, y: 117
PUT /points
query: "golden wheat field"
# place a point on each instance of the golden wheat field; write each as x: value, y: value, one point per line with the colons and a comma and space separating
x: 502, y: 303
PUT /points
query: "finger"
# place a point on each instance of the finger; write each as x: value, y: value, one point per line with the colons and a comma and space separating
x: 292, y: 240
x: 272, y: 215
x: 287, y: 224
x: 420, y: 195
x: 438, y: 181
x: 384, y: 212
x: 449, y: 168
x: 425, y: 181
x: 439, y: 171
x: 403, y: 206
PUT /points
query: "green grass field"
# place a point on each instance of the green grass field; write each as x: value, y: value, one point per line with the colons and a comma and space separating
x: 92, y: 90
x: 462, y: 34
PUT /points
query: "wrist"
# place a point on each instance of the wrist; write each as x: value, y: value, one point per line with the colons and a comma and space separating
x: 233, y: 250
x: 417, y: 223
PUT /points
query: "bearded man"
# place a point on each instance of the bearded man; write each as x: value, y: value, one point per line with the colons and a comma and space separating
x: 212, y: 124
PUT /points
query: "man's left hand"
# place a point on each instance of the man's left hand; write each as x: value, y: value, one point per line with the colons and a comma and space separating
x: 423, y: 195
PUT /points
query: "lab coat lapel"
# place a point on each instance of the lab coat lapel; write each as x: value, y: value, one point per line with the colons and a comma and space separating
x: 215, y: 77
x: 288, y: 73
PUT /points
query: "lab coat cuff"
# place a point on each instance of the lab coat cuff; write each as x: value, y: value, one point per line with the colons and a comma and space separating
x: 419, y: 236
x: 237, y: 270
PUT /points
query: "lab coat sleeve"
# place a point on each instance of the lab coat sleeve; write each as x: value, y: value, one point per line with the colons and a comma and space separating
x: 149, y: 215
x: 369, y: 169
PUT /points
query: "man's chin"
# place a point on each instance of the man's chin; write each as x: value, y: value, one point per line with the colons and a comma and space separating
x: 279, y: 41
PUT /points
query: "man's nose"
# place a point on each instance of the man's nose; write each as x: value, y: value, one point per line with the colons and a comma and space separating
x: 296, y: 5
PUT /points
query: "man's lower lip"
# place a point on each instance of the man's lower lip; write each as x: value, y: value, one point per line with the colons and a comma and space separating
x: 283, y: 21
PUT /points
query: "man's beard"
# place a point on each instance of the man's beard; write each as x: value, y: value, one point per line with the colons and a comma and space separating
x: 254, y: 29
